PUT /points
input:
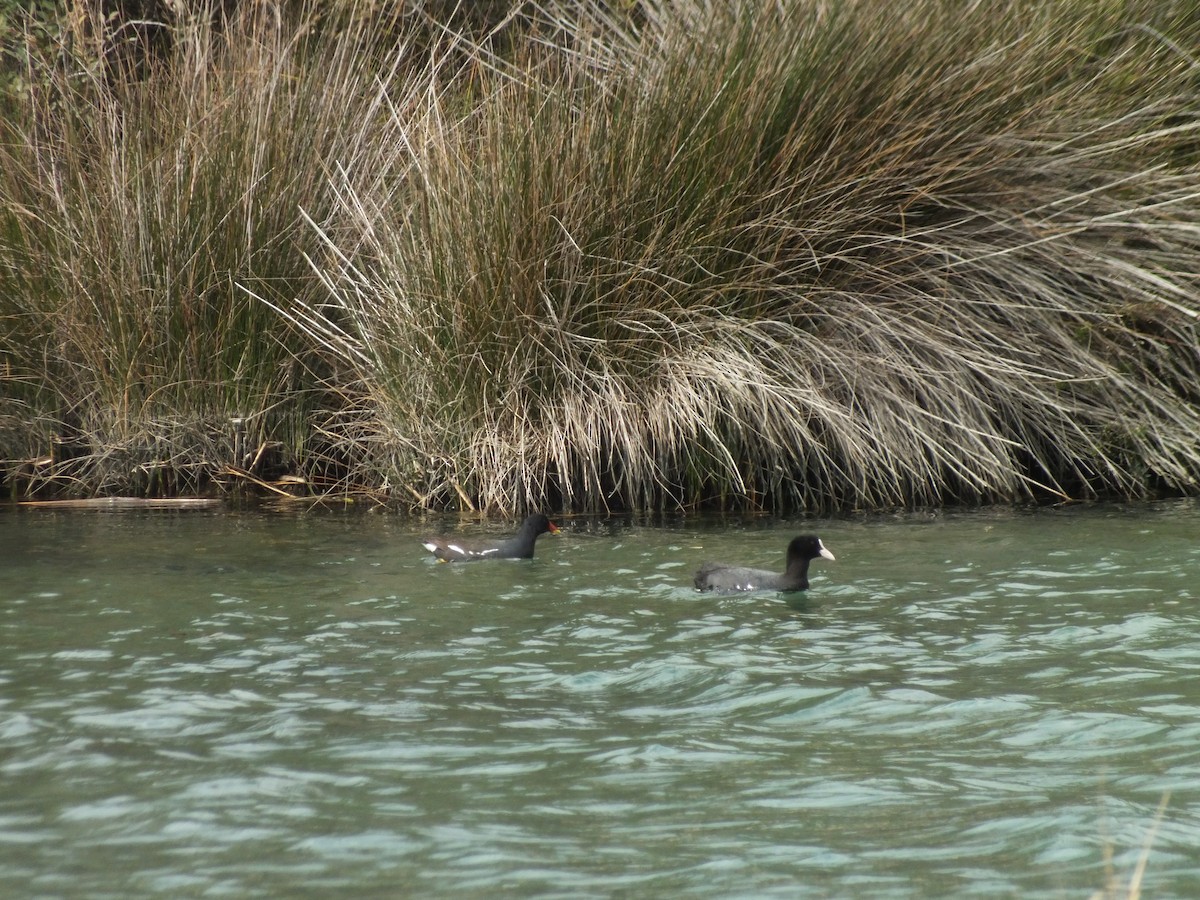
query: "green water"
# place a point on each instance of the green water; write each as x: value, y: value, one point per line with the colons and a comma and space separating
x: 976, y: 704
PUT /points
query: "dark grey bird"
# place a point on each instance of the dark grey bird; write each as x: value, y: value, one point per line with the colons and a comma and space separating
x: 800, y: 552
x: 519, y: 546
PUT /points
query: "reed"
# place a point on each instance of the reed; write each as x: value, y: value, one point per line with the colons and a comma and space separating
x: 789, y: 256
x: 775, y: 256
x: 137, y: 207
x: 1131, y: 888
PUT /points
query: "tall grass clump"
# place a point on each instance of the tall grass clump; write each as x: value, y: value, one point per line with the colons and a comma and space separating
x: 137, y: 205
x: 786, y: 255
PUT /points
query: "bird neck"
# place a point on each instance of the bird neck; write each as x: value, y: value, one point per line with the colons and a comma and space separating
x: 798, y: 570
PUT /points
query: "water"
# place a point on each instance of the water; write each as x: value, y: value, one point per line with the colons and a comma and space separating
x: 977, y: 704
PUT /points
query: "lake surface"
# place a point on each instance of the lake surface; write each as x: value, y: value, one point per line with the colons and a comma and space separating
x: 253, y: 705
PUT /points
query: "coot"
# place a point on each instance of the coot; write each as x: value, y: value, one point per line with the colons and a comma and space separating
x: 801, y: 551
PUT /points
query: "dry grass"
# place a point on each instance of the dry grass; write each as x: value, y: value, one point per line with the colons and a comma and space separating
x: 814, y: 258
x: 777, y: 256
x: 135, y: 212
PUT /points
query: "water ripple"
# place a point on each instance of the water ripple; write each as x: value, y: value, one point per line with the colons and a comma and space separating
x: 972, y: 707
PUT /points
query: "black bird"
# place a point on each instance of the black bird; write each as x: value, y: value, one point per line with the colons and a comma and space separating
x: 801, y: 551
x: 519, y: 546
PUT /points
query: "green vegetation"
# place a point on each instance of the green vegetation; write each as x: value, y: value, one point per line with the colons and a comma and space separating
x: 646, y: 255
